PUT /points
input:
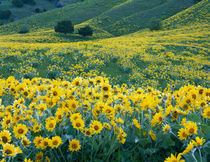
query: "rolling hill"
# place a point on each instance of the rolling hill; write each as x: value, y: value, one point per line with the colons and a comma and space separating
x: 111, y: 17
x: 145, y: 57
x: 29, y: 9
x: 126, y: 93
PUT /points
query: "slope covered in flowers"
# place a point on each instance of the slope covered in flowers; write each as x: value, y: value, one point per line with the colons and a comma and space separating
x: 177, y: 56
x: 138, y: 97
x: 54, y: 119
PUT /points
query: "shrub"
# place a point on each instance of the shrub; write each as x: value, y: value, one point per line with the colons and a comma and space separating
x: 17, y: 3
x: 24, y: 29
x: 86, y: 31
x: 65, y: 26
x: 5, y: 14
x: 37, y: 10
x: 155, y: 25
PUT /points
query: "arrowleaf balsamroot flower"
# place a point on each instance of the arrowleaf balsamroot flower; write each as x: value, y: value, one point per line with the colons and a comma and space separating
x: 20, y: 130
x: 182, y: 134
x: 173, y: 158
x: 136, y: 124
x: 56, y: 142
x: 206, y: 112
x: 166, y: 128
x: 199, y: 141
x: 96, y: 126
x: 152, y: 135
x: 50, y: 124
x: 5, y: 137
x: 37, y: 141
x: 74, y: 145
x: 10, y: 150
x: 78, y: 124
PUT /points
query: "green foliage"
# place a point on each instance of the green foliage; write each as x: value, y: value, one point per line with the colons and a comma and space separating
x: 86, y: 31
x: 5, y: 14
x: 17, y: 3
x: 155, y: 25
x: 65, y: 27
x: 37, y: 10
x: 24, y: 29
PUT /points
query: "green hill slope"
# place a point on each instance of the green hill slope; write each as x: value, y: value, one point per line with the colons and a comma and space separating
x: 29, y: 10
x: 119, y: 21
x: 199, y: 13
x: 115, y: 17
x: 77, y: 12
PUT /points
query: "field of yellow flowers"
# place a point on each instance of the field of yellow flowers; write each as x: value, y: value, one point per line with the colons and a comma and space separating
x: 89, y: 120
x: 130, y: 98
x: 138, y: 97
x: 176, y: 56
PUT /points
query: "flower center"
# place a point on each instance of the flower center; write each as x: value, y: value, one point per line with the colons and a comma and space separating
x: 74, y: 106
x: 8, y: 151
x: 78, y: 125
x: 4, y: 139
x: 55, y: 142
x: 51, y: 125
x: 96, y: 127
x: 191, y: 130
x: 20, y: 131
x: 74, y: 146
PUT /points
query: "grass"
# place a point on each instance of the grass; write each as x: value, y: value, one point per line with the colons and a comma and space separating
x: 28, y: 10
x: 114, y: 18
x: 195, y: 14
x: 175, y: 56
x: 149, y: 87
x: 136, y: 15
x: 77, y: 12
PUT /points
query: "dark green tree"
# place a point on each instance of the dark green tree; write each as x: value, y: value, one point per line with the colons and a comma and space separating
x: 5, y: 14
x: 86, y: 31
x: 65, y: 27
x: 155, y: 25
x: 24, y: 29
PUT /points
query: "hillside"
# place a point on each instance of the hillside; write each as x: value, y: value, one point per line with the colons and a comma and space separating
x: 126, y: 93
x: 199, y: 13
x: 106, y: 16
x: 175, y: 56
x: 119, y: 21
x: 30, y: 9
x: 77, y: 12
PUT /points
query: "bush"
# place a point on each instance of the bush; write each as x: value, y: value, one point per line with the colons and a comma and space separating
x: 64, y: 27
x: 5, y: 14
x: 24, y: 29
x: 86, y: 31
x: 17, y: 3
x: 155, y: 25
x: 37, y: 10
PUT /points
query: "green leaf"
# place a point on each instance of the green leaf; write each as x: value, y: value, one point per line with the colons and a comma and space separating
x: 167, y: 142
x: 195, y: 118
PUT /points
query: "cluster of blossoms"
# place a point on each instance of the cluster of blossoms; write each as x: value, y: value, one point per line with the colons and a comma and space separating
x: 42, y: 115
